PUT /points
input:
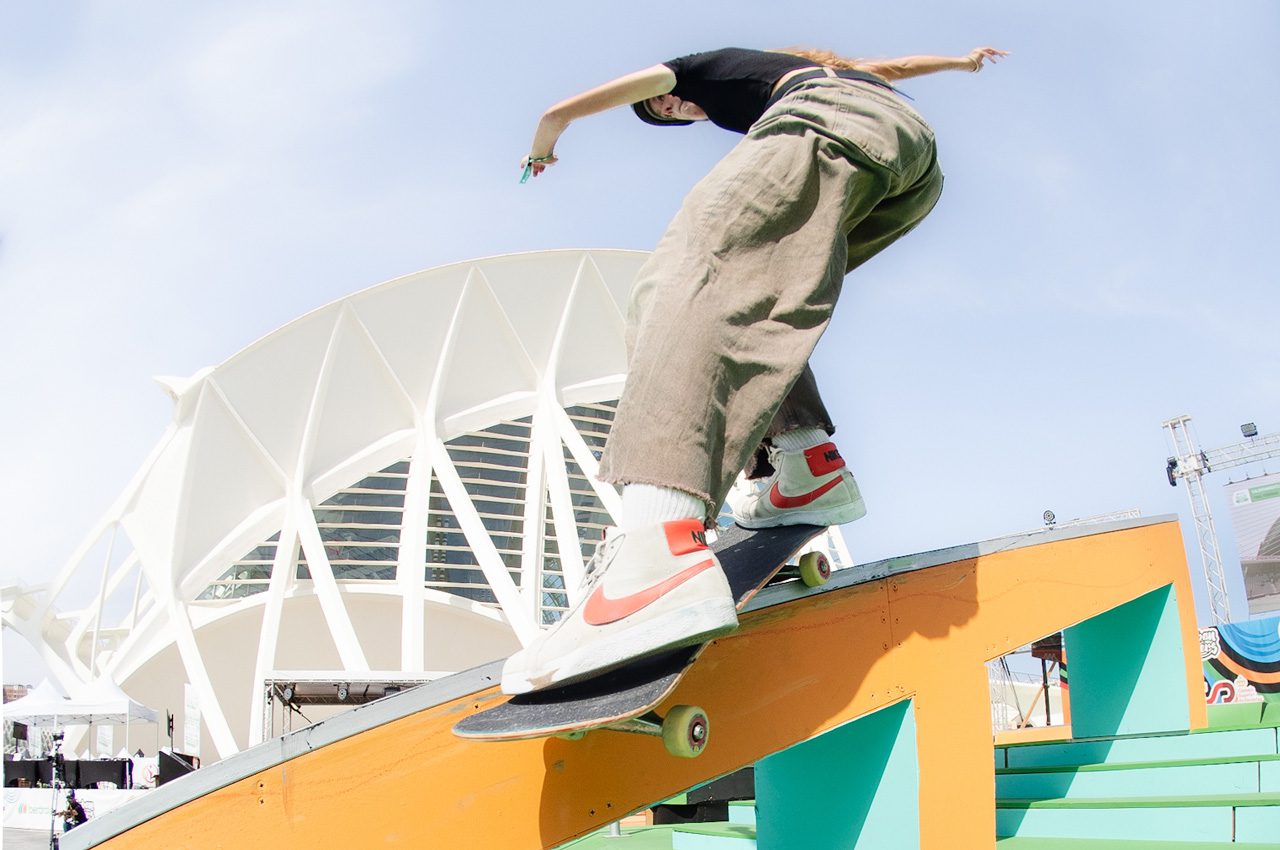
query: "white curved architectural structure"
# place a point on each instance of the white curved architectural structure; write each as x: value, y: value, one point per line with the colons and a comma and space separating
x: 396, y: 486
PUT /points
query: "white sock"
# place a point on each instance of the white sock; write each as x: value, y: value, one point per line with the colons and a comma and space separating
x: 645, y: 504
x: 800, y: 439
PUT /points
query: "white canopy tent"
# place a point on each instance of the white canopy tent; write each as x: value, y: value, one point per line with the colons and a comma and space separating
x: 100, y: 701
x: 43, y: 705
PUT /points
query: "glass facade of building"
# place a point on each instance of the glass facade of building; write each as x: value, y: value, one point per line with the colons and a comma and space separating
x: 360, y: 525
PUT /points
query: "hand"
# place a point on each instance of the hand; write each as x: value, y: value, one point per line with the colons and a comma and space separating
x: 535, y: 165
x: 979, y: 54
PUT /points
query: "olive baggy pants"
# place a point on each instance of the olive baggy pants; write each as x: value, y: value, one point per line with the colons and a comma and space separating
x: 727, y: 310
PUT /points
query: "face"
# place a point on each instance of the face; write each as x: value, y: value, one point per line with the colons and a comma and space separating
x: 673, y: 107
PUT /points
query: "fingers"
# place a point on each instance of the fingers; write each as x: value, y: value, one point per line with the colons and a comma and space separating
x: 534, y: 165
x: 990, y: 53
x: 979, y: 54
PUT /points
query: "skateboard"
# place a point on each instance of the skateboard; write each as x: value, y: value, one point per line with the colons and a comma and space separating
x: 624, y: 699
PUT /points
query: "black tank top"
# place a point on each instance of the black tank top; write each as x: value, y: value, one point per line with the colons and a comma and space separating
x: 732, y: 85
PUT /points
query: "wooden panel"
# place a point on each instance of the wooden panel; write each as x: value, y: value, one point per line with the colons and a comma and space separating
x: 790, y: 673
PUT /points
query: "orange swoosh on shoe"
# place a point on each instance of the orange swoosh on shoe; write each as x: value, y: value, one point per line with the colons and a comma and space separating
x: 783, y: 502
x: 600, y: 610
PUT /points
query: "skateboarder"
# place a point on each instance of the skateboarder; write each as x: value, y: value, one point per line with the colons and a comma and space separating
x: 833, y: 167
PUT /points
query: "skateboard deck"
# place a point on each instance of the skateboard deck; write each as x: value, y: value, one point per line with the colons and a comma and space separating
x: 618, y: 698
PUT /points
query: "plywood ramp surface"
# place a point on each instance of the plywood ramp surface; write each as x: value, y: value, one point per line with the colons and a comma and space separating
x: 803, y: 662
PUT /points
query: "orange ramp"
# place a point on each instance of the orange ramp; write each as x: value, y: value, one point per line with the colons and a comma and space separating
x: 804, y: 662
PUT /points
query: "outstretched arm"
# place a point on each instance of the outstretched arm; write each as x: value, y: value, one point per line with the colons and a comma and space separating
x: 918, y: 66
x: 638, y: 86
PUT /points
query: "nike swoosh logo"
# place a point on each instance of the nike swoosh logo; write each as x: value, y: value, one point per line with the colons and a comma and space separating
x: 784, y: 502
x: 600, y: 610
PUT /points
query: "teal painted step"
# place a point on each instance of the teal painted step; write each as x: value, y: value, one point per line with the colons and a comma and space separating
x: 1203, y: 818
x: 1269, y: 776
x: 1240, y: 775
x: 1020, y: 843
x: 1175, y: 747
x: 1200, y: 824
x: 1258, y: 823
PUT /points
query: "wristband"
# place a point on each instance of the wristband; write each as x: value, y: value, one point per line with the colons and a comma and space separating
x: 528, y: 165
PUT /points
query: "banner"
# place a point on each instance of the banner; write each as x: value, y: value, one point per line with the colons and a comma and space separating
x: 1255, y: 516
x: 1241, y: 661
x: 32, y: 808
x: 191, y: 720
x: 106, y: 738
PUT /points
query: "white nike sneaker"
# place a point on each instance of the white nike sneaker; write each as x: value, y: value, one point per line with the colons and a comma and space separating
x: 808, y: 487
x: 648, y: 590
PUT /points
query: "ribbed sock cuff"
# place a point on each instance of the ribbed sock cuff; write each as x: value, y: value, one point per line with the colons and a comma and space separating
x: 645, y: 504
x: 800, y: 439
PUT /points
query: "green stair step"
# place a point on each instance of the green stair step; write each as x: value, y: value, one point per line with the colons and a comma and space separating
x: 1031, y: 843
x: 1175, y: 746
x: 1137, y: 765
x: 740, y: 838
x: 665, y: 837
x: 1229, y: 775
x: 1145, y: 802
x: 1212, y: 817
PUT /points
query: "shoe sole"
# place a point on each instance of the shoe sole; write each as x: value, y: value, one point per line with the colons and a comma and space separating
x: 827, y: 517
x: 698, y: 623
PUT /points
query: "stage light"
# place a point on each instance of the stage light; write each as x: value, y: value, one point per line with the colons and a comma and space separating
x: 1050, y: 518
x: 343, y: 692
x: 1249, y: 430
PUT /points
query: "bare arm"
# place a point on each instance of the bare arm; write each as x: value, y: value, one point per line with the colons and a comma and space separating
x: 634, y: 87
x: 918, y: 66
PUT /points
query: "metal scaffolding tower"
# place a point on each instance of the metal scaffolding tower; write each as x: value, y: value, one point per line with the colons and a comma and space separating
x: 1191, y: 464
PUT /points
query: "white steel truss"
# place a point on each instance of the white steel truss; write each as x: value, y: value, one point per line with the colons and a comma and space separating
x: 417, y: 459
x: 1190, y: 464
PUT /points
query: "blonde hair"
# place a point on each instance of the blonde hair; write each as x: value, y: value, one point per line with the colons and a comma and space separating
x: 822, y: 57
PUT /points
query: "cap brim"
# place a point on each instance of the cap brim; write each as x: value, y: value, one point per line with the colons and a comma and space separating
x: 645, y: 114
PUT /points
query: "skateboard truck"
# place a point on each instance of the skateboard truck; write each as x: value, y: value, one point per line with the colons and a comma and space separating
x: 684, y: 731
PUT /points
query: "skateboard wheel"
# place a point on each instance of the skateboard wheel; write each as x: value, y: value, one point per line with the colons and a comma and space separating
x: 815, y: 569
x: 573, y: 735
x: 685, y: 731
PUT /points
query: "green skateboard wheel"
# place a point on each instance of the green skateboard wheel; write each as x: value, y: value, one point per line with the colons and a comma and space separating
x: 815, y: 569
x: 685, y: 730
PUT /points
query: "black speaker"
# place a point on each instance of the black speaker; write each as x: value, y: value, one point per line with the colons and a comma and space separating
x: 173, y: 765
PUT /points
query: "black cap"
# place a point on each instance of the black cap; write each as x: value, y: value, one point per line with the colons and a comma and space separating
x: 648, y: 116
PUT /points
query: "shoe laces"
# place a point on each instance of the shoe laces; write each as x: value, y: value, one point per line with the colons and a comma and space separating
x: 600, y: 559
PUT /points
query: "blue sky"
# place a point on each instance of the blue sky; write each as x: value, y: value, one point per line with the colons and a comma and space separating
x: 177, y: 180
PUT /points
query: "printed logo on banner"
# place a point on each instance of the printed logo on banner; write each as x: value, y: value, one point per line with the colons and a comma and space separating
x: 1210, y: 644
